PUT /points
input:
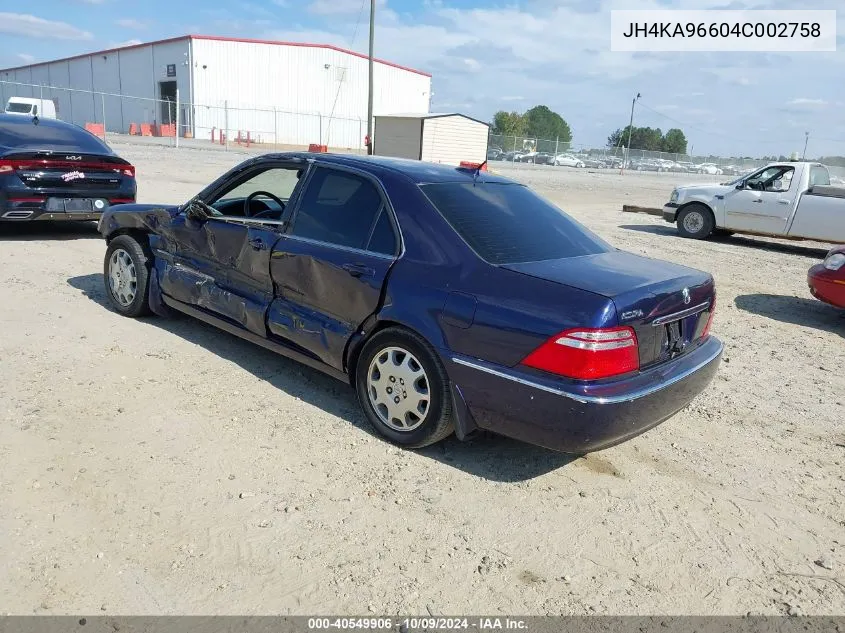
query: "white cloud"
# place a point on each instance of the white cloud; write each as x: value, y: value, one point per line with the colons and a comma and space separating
x: 126, y: 43
x: 131, y: 23
x: 26, y: 57
x: 339, y: 7
x: 26, y: 25
x: 803, y: 101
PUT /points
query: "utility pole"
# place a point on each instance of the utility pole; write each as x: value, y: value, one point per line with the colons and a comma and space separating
x: 630, y: 132
x: 806, y: 140
x: 370, y: 88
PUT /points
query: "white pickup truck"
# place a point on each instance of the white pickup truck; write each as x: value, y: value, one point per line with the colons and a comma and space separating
x: 792, y: 200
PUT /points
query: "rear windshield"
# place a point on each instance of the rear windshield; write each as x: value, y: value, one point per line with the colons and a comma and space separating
x: 21, y: 133
x: 20, y: 108
x: 508, y: 223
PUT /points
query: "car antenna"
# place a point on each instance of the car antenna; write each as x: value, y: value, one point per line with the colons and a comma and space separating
x: 478, y: 171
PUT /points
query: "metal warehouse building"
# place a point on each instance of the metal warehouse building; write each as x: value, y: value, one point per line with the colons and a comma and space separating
x: 278, y: 92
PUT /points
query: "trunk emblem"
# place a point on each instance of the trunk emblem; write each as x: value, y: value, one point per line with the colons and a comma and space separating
x: 73, y: 157
x: 686, y: 296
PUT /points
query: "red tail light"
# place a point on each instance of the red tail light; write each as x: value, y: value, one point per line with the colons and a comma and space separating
x: 588, y: 354
x: 37, y: 164
x: 706, y: 330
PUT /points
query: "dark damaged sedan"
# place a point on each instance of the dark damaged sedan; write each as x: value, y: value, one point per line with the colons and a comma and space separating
x: 451, y: 299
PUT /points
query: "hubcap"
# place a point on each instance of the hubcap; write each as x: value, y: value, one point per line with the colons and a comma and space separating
x: 398, y: 388
x: 694, y: 222
x: 123, y: 278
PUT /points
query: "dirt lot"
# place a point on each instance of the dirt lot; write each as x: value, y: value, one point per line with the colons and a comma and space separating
x: 161, y: 466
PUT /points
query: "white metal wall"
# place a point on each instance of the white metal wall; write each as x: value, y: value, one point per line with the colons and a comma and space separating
x: 399, y: 137
x: 135, y: 72
x: 327, y: 89
x: 452, y: 139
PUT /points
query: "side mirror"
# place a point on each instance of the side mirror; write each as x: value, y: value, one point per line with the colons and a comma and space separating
x: 740, y: 184
x: 196, y: 211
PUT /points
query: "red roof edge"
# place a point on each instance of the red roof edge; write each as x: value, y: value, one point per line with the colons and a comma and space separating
x: 220, y: 39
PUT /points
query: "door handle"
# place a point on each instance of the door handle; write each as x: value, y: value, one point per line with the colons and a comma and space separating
x: 359, y: 270
x: 758, y: 200
x: 257, y: 243
x: 783, y: 201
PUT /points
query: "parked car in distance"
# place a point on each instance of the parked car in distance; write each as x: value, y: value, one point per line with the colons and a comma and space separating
x: 709, y: 168
x: 495, y: 153
x: 567, y: 160
x: 52, y: 170
x: 594, y: 163
x: 791, y: 200
x: 450, y: 299
x: 685, y: 166
x: 26, y: 106
x: 827, y: 279
x: 513, y: 156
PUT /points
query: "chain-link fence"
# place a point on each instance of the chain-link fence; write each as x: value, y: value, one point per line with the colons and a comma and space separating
x: 521, y: 149
x: 170, y: 120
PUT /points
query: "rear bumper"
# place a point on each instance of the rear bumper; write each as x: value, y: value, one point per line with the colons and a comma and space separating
x: 670, y: 212
x: 35, y: 210
x: 579, y: 418
x: 827, y: 285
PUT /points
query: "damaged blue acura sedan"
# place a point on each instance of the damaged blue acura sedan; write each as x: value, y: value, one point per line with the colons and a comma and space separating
x: 451, y: 299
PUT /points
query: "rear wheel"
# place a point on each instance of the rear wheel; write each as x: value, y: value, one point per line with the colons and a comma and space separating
x: 403, y: 389
x: 695, y: 222
x: 126, y: 273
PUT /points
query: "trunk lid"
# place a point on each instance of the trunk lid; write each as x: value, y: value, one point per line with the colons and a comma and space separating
x: 668, y: 305
x: 67, y: 171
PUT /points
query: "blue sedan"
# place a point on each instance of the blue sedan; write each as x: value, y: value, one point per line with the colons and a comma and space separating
x: 451, y: 299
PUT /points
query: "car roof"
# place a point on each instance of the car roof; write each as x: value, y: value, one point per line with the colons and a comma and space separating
x: 49, y: 135
x: 420, y: 172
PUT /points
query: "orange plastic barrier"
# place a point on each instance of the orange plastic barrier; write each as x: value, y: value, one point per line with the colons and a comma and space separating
x: 146, y: 129
x: 322, y: 149
x: 96, y: 128
x: 133, y: 129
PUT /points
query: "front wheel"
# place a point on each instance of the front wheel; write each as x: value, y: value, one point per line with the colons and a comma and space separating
x: 126, y: 274
x: 403, y: 389
x: 696, y: 222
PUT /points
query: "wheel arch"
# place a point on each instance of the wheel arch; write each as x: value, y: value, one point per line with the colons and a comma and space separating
x: 368, y: 330
x: 699, y: 203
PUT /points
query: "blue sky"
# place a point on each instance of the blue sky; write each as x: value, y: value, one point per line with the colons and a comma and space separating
x: 486, y: 55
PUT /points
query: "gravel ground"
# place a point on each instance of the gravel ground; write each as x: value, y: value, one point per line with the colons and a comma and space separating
x: 160, y: 466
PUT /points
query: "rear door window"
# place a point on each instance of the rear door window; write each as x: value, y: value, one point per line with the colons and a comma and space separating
x: 343, y: 209
x: 508, y: 223
x: 819, y: 175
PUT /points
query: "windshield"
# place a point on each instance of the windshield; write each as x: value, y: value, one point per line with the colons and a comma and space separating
x: 19, y: 108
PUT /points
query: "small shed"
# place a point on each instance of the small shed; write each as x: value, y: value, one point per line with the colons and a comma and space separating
x: 449, y: 138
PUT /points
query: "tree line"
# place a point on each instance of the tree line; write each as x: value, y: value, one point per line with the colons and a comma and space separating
x: 650, y: 139
x: 540, y: 122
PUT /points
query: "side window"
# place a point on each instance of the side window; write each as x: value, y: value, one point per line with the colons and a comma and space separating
x: 338, y: 208
x: 819, y: 176
x: 383, y: 239
x: 279, y: 182
x: 35, y: 110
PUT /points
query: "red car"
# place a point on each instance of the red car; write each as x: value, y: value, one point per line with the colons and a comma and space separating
x: 827, y: 280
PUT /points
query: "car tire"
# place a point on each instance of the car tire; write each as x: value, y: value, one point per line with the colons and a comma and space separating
x: 126, y: 276
x: 397, y: 359
x: 695, y: 222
